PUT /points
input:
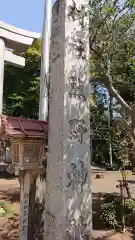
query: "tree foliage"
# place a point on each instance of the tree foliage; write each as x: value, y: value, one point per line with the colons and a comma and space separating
x: 21, y: 85
x: 112, y: 63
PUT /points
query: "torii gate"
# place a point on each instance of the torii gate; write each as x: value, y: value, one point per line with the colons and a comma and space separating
x: 11, y: 39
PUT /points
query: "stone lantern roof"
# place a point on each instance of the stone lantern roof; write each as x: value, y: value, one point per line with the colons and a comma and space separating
x: 16, y: 127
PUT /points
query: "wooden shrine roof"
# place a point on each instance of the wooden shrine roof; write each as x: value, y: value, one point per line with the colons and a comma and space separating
x: 20, y: 127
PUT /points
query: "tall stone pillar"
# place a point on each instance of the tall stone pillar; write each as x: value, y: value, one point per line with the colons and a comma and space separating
x: 68, y: 207
x: 2, y: 55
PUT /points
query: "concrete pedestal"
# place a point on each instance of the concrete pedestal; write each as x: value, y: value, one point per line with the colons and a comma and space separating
x: 68, y: 209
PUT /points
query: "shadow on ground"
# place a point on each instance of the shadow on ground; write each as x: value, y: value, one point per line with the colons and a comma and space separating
x: 10, y: 195
x: 6, y: 175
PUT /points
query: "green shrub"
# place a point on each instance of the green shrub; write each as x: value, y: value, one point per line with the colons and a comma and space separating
x: 111, y: 210
x: 108, y: 214
x: 4, y: 209
x: 129, y: 205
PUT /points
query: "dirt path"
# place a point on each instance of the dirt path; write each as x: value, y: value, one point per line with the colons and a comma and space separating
x: 9, y: 224
x: 109, y: 182
x: 6, y: 184
x: 111, y: 235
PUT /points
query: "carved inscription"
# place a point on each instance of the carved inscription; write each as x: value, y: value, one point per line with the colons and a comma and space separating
x: 76, y: 87
x: 77, y: 130
x: 25, y: 215
x: 55, y: 51
x: 77, y: 177
x: 55, y: 31
x: 76, y: 230
x: 80, y: 49
x: 77, y: 47
x: 75, y: 13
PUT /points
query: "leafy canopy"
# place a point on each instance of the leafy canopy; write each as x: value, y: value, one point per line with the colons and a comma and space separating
x: 21, y: 86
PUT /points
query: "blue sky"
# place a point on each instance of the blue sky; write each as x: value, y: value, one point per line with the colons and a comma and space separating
x: 27, y: 14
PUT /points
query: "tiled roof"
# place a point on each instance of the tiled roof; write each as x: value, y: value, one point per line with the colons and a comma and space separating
x: 20, y: 127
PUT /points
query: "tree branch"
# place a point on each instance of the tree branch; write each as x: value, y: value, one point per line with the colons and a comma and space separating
x: 105, y: 80
x: 119, y: 98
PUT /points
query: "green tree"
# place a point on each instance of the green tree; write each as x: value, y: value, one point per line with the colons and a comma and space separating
x: 21, y: 86
x: 99, y: 125
x: 112, y: 55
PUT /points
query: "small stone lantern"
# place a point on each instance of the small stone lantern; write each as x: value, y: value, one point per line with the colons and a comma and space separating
x: 28, y: 141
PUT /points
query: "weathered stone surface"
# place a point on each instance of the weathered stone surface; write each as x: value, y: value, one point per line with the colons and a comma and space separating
x: 68, y: 190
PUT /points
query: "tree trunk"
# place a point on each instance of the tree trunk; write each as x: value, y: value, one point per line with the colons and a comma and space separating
x: 125, y: 183
x: 122, y: 205
x: 110, y: 116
